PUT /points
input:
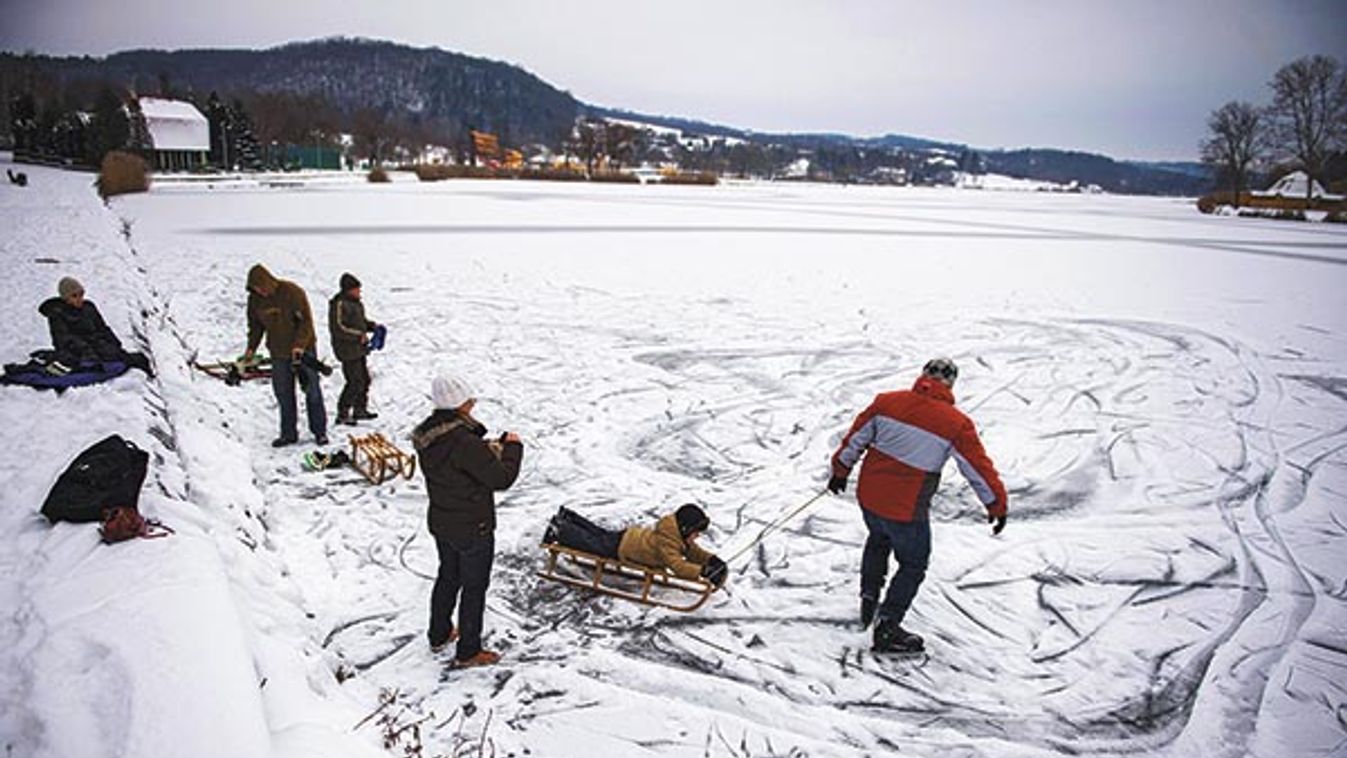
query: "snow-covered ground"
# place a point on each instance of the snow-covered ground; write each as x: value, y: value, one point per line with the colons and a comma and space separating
x: 1163, y: 392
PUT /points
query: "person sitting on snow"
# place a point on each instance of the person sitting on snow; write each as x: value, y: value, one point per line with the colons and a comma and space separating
x: 671, y: 545
x: 80, y: 335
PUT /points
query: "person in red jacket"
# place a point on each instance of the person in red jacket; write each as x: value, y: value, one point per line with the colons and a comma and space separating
x: 906, y: 437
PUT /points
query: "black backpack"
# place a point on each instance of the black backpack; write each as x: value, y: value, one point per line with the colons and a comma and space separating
x: 107, y: 475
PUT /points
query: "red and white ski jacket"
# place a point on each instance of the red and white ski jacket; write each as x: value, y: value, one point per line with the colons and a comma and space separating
x: 909, y: 435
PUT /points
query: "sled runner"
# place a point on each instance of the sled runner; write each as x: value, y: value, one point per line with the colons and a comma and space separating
x: 235, y: 372
x: 380, y: 460
x: 629, y: 581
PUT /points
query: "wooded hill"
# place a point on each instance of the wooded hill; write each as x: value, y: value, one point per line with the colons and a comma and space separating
x: 382, y: 91
x: 435, y: 91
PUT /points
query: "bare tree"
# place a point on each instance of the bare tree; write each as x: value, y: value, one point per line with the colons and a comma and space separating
x: 620, y: 143
x: 588, y: 140
x: 1237, y: 141
x: 1309, y: 112
x: 370, y: 129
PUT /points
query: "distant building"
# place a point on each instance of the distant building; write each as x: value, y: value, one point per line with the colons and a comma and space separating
x: 1293, y: 186
x: 181, y: 135
x: 299, y: 157
x: 436, y: 155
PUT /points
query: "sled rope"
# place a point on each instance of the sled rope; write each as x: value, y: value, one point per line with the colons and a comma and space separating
x: 773, y: 525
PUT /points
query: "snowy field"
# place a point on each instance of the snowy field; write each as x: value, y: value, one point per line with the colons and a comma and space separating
x: 1164, y: 393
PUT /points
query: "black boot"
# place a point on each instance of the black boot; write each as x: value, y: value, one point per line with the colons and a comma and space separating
x: 364, y: 415
x: 868, y: 607
x: 551, y: 535
x: 890, y: 637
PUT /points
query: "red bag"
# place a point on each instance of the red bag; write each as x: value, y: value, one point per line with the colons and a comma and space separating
x: 124, y: 522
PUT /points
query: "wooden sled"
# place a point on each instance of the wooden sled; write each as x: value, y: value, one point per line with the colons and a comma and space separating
x: 641, y: 581
x: 235, y: 372
x: 380, y: 460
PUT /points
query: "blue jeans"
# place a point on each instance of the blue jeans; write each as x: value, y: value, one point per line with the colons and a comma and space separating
x: 283, y: 384
x: 465, y: 573
x: 910, y: 544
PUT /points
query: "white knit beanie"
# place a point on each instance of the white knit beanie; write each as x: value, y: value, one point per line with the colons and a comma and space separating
x: 449, y: 393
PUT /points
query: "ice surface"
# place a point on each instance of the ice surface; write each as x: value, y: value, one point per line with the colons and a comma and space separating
x: 1162, y: 391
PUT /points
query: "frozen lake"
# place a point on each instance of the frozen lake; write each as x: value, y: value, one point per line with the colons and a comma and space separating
x: 1165, y: 394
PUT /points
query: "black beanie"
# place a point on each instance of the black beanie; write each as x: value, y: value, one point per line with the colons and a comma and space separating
x: 349, y: 282
x: 691, y: 519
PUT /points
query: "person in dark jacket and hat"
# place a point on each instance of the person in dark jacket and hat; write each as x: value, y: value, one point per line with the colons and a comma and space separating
x: 279, y: 309
x: 670, y: 545
x: 79, y: 334
x: 350, y: 330
x: 463, y: 471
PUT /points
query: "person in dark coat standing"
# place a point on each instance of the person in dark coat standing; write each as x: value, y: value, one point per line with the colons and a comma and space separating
x: 463, y: 471
x: 351, y: 330
x: 280, y: 310
x: 78, y: 332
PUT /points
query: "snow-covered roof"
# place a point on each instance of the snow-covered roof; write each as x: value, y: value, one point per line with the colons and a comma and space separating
x: 798, y: 168
x: 656, y: 129
x: 175, y: 124
x: 1294, y: 185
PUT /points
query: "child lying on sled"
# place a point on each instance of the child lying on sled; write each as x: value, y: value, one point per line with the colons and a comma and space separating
x: 670, y: 545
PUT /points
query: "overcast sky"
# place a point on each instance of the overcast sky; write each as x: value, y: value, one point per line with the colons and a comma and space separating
x: 1132, y: 79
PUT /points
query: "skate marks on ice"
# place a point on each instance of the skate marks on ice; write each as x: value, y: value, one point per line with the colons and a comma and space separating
x: 1143, y: 460
x: 1147, y: 463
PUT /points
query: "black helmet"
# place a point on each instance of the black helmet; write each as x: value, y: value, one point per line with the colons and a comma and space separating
x: 691, y: 519
x: 942, y: 369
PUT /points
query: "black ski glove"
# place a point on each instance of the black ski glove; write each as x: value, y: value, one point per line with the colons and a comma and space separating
x: 837, y: 485
x: 999, y: 523
x: 715, y: 571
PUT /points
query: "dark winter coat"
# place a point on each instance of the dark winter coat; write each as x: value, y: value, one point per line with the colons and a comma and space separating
x: 463, y: 472
x: 79, y: 334
x: 663, y: 547
x: 284, y: 315
x: 347, y: 322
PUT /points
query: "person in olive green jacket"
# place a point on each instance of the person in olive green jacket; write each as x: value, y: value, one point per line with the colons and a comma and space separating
x: 670, y: 545
x: 280, y: 310
x: 350, y: 330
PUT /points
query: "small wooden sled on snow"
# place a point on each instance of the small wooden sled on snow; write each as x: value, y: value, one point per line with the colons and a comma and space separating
x: 235, y: 372
x: 380, y: 460
x: 629, y: 581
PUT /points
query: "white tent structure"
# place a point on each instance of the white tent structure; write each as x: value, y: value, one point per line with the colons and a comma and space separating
x: 1293, y: 186
x: 180, y: 133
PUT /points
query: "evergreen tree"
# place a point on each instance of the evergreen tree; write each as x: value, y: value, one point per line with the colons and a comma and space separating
x: 139, y: 141
x: 232, y: 142
x: 249, y: 156
x: 109, y: 127
x: 217, y: 117
x: 23, y: 118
